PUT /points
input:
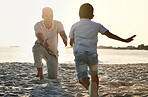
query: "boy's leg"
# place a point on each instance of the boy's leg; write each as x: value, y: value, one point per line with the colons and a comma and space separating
x: 94, y: 74
x: 95, y: 79
x: 93, y: 71
x: 93, y: 88
x: 85, y: 82
x: 93, y: 68
x: 82, y: 68
x: 93, y: 92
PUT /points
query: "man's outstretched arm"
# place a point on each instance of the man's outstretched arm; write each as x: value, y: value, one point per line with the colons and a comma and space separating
x: 40, y: 38
x: 113, y: 36
x: 64, y: 37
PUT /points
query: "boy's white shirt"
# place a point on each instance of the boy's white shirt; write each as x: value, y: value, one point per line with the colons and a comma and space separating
x: 85, y: 35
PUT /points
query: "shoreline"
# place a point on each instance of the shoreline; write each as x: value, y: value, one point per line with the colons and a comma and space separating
x: 18, y: 79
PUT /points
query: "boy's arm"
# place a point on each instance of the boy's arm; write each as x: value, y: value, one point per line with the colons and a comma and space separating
x: 64, y: 37
x: 113, y: 36
x: 71, y: 41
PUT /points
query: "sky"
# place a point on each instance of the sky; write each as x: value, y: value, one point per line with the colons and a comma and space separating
x: 121, y: 17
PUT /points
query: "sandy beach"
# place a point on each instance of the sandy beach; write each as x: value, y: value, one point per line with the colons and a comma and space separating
x: 116, y: 80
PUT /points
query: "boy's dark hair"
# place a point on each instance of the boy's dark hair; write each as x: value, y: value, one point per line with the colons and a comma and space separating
x: 86, y: 11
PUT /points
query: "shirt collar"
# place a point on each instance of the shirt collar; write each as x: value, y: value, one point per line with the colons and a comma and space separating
x: 84, y: 19
x: 51, y: 26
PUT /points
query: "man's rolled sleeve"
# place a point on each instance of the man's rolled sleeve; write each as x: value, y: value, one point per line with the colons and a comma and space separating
x: 60, y: 27
x: 37, y: 28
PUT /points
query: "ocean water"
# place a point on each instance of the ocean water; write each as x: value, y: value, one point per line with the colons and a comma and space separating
x: 105, y: 56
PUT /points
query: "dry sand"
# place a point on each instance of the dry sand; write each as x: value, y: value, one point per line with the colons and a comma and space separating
x: 116, y: 80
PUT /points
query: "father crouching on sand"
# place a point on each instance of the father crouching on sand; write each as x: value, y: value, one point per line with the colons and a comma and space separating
x: 46, y: 45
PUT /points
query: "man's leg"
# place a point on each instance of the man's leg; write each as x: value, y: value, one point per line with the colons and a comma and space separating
x: 37, y: 75
x: 38, y: 53
x: 40, y: 72
x: 52, y: 66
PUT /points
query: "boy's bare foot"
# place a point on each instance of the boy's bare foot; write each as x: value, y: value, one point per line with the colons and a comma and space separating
x: 85, y: 82
x: 93, y: 90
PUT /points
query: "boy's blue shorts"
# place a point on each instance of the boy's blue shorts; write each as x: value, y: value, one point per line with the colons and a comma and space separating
x: 83, y: 60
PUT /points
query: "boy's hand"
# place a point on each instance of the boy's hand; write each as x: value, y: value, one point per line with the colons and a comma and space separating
x: 130, y: 39
x: 113, y: 36
x: 71, y: 41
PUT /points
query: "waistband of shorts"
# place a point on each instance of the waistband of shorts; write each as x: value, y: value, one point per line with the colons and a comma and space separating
x: 83, y: 52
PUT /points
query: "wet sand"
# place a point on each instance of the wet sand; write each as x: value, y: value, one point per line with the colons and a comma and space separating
x: 116, y: 80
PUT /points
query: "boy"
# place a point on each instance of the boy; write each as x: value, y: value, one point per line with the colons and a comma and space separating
x: 83, y: 38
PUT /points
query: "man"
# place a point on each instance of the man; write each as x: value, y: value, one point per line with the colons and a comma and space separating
x: 46, y: 45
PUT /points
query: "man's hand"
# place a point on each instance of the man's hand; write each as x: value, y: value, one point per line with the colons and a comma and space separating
x: 40, y: 38
x: 130, y: 39
x: 65, y: 41
x: 45, y: 44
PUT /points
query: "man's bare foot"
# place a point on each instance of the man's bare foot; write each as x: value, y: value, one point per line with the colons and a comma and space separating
x: 37, y: 75
x: 41, y: 77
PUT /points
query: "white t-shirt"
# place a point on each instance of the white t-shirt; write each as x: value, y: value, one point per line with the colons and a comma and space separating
x: 50, y: 34
x: 85, y: 35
